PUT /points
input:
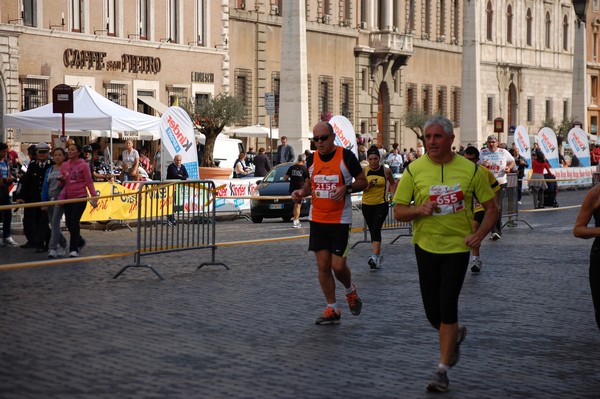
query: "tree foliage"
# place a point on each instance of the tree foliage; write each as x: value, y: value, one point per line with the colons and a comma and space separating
x: 210, y: 116
x: 415, y: 119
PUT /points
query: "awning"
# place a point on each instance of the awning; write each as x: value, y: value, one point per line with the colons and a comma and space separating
x: 154, y: 104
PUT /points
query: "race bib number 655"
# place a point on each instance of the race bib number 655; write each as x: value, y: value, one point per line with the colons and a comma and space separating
x: 448, y: 199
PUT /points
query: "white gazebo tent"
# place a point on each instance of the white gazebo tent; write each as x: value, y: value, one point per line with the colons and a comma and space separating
x: 92, y: 112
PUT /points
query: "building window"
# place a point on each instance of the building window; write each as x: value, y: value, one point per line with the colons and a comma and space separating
x: 177, y: 95
x: 442, y: 19
x: 490, y: 108
x: 529, y: 27
x: 365, y: 79
x: 347, y: 11
x: 565, y: 35
x: 530, y: 108
x: 173, y: 21
x: 427, y: 19
x: 426, y: 99
x: 363, y: 127
x: 548, y: 25
x: 455, y: 106
x: 411, y: 96
x: 490, y: 21
x: 325, y: 94
x: 29, y: 12
x: 594, y: 90
x: 111, y: 17
x: 240, y: 4
x: 200, y: 99
x: 326, y: 10
x: 596, y: 5
x: 441, y: 100
x: 76, y: 13
x: 144, y: 20
x: 549, y: 111
x: 276, y: 89
x: 566, y: 108
x: 243, y: 91
x: 509, y: 24
x: 346, y: 97
x: 201, y: 24
x: 595, y: 46
x: 117, y: 93
x: 35, y: 92
x: 456, y: 21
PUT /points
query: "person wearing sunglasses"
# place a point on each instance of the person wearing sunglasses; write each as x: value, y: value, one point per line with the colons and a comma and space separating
x: 335, y: 174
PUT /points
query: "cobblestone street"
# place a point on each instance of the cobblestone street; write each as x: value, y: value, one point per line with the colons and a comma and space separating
x: 72, y: 331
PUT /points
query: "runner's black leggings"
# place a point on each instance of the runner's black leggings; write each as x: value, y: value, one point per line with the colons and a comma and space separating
x: 73, y: 214
x: 595, y: 278
x: 441, y: 278
x: 375, y: 215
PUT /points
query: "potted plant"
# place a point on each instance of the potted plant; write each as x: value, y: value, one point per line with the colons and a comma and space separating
x: 210, y: 116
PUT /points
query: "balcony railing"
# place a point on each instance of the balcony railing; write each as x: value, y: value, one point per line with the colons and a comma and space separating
x: 391, y: 42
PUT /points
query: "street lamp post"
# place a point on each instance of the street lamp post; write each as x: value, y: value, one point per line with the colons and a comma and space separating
x: 579, y: 94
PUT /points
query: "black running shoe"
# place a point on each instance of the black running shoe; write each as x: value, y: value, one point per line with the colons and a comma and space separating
x: 354, y: 302
x: 439, y: 382
x: 329, y: 316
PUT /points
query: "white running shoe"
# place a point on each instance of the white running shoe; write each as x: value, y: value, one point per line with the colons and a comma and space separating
x: 476, y: 265
x: 52, y: 254
x: 296, y: 224
x: 10, y: 241
x: 74, y: 254
x: 379, y: 262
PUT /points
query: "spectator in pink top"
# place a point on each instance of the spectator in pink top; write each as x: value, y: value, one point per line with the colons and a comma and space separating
x: 77, y: 180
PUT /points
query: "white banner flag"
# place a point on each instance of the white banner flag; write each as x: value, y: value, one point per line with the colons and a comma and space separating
x: 345, y: 135
x: 177, y: 136
x: 578, y: 142
x: 546, y: 139
x: 522, y: 143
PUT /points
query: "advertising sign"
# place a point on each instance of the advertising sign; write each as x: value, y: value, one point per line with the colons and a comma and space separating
x: 522, y: 143
x: 578, y: 142
x: 345, y: 135
x: 177, y: 135
x: 548, y: 143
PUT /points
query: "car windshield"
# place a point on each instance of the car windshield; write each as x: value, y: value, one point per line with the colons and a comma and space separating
x: 277, y: 174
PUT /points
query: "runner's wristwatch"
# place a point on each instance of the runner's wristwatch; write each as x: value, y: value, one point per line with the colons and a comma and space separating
x: 349, y: 188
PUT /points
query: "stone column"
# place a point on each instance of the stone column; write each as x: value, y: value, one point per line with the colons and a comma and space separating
x: 579, y: 94
x: 293, y: 105
x: 470, y: 98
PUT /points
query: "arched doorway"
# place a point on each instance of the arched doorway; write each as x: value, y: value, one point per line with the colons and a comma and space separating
x: 513, y: 106
x: 383, y: 115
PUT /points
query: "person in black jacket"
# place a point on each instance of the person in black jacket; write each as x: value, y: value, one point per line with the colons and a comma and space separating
x: 176, y: 171
x: 35, y: 220
x: 262, y: 164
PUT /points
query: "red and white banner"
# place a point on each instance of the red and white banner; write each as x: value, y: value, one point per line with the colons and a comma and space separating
x: 578, y: 142
x: 547, y: 142
x: 345, y: 135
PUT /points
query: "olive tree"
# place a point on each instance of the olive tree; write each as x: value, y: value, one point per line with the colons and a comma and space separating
x: 210, y: 116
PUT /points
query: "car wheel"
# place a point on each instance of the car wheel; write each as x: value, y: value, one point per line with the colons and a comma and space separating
x: 286, y: 218
x: 256, y: 219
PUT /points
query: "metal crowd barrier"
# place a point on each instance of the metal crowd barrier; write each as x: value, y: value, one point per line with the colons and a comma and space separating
x: 510, y: 203
x: 175, y: 218
x: 389, y: 224
x: 595, y: 179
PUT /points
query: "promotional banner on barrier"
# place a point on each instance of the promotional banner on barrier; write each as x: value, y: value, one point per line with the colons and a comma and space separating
x: 522, y: 143
x: 345, y: 135
x: 578, y: 141
x: 548, y: 143
x: 125, y: 207
x: 177, y: 135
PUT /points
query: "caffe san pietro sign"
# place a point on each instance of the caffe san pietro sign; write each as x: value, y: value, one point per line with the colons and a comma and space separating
x: 85, y: 59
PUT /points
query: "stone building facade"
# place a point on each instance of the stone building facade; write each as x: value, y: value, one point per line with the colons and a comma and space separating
x: 370, y: 60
